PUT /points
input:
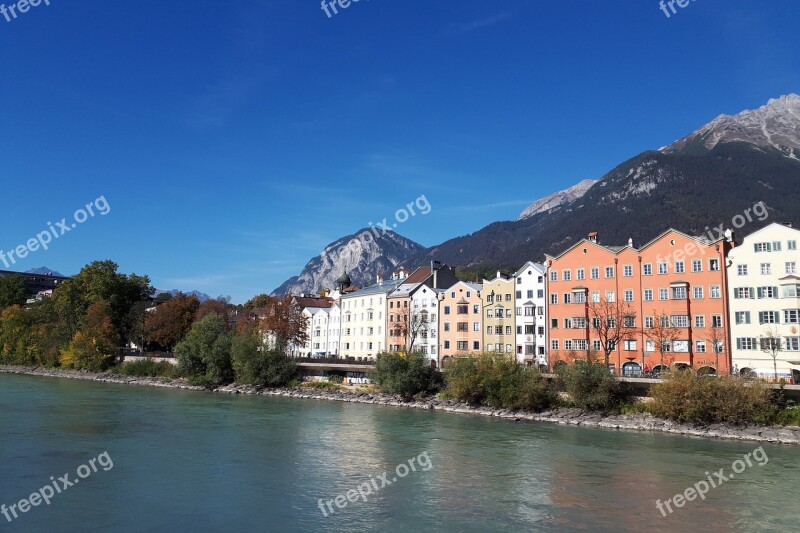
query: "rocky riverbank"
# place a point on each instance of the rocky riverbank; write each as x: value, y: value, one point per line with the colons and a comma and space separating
x: 575, y: 417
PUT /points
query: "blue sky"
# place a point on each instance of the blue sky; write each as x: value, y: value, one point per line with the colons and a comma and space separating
x: 234, y: 140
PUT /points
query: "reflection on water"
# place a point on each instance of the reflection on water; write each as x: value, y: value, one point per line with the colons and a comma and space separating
x: 207, y: 462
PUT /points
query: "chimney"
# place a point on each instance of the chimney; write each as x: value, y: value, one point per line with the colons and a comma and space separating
x: 593, y: 237
x: 630, y: 242
x: 380, y: 279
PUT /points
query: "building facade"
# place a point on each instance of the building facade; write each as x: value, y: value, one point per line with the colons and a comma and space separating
x: 499, y: 304
x: 424, y: 322
x: 364, y: 320
x: 672, y: 288
x: 460, y: 324
x: 764, y: 296
x: 531, y: 316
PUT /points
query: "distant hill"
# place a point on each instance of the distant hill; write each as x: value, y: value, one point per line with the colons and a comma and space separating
x: 44, y: 271
x: 174, y: 292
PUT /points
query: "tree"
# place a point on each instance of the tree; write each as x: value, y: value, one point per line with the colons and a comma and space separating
x: 170, y: 322
x: 411, y: 323
x: 283, y: 323
x: 406, y: 375
x: 663, y: 334
x: 770, y: 343
x: 220, y: 306
x: 12, y: 291
x: 206, y: 351
x: 254, y: 364
x: 716, y: 338
x: 100, y: 281
x: 94, y: 346
x: 613, y: 322
x: 261, y: 300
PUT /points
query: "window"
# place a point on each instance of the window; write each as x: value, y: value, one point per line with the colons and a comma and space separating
x: 581, y: 345
x: 630, y: 346
x: 476, y: 326
x: 447, y: 326
x: 609, y: 272
x: 648, y: 295
x: 741, y: 270
x: 627, y: 271
x: 462, y: 309
x: 680, y: 321
x: 469, y: 294
x: 553, y: 275
x: 553, y: 323
x: 476, y: 309
x: 568, y: 344
x: 742, y: 317
x: 698, y: 293
x: 446, y: 345
x: 567, y: 323
x: 716, y: 321
x: 528, y: 329
x: 791, y: 267
x: 462, y: 346
x: 629, y: 321
x: 610, y: 296
x: 554, y: 344
x: 628, y: 295
x: 746, y: 343
x: 663, y: 268
x: 476, y: 345
x: 519, y: 281
x: 700, y: 346
x: 648, y: 322
x: 762, y: 247
x: 579, y: 322
x: 566, y: 275
x: 647, y: 269
x: 791, y: 291
x: 567, y: 298
x: 489, y: 313
x: 508, y: 297
x: 791, y: 316
x: 596, y: 297
x: 529, y: 310
x: 768, y: 317
x: 697, y: 265
x: 580, y: 273
x: 767, y: 292
x: 580, y: 297
x: 650, y: 346
x: 462, y: 326
x: 792, y: 343
x: 519, y: 295
x: 743, y: 293
x: 792, y: 245
x: 596, y: 345
x: 699, y: 321
x: 530, y: 294
x: 508, y: 330
x: 490, y: 298
x: 766, y: 269
x: 595, y: 272
x: 680, y: 268
x: 679, y: 293
x: 713, y: 265
x: 776, y: 246
x: 663, y: 294
x: 716, y: 292
x: 447, y: 309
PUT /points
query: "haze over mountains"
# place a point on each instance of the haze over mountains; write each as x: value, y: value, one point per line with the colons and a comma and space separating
x: 703, y: 179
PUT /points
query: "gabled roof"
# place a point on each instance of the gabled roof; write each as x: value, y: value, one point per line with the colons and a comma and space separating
x: 309, y: 301
x: 378, y: 288
x: 530, y: 264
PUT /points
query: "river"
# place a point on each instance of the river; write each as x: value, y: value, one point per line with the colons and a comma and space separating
x: 172, y: 460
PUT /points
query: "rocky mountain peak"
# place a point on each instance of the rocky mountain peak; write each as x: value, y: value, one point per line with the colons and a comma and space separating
x: 556, y: 199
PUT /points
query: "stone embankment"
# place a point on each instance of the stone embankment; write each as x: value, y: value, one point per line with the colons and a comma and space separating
x: 573, y: 417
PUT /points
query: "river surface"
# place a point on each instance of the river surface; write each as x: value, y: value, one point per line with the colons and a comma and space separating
x: 195, y: 461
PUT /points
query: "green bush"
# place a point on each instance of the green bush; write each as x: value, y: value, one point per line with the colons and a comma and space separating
x: 498, y: 381
x: 592, y: 387
x: 322, y: 385
x: 406, y: 375
x: 147, y: 368
x: 254, y: 364
x: 687, y: 397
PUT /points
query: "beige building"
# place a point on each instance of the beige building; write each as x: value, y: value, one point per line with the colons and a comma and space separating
x: 498, y: 314
x: 461, y: 331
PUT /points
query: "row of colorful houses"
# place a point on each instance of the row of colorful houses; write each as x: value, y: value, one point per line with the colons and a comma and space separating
x: 677, y: 301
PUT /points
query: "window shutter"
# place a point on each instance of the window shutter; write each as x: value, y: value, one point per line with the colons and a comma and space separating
x: 752, y: 293
x: 760, y: 292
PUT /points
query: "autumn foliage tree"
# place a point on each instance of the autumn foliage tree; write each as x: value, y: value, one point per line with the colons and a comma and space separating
x: 663, y: 334
x: 282, y: 322
x: 93, y: 347
x: 170, y: 322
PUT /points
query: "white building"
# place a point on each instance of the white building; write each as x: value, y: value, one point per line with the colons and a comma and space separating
x: 363, y: 325
x: 334, y: 329
x: 531, y: 308
x: 424, y: 317
x: 764, y: 296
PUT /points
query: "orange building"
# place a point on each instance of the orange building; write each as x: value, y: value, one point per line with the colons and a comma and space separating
x: 676, y: 279
x: 460, y: 320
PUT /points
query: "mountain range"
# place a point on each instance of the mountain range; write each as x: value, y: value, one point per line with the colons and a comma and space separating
x: 699, y: 181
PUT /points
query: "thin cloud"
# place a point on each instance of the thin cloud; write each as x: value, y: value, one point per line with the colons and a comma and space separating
x: 458, y: 28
